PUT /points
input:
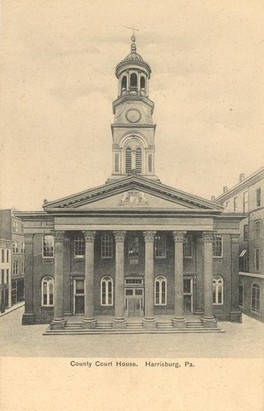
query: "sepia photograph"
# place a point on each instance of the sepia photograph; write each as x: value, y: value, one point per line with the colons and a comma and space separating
x: 132, y: 204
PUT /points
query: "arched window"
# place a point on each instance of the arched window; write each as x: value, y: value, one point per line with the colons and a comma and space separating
x: 128, y: 159
x: 139, y: 160
x: 255, y: 297
x: 217, y: 290
x: 142, y: 82
x: 124, y: 83
x: 47, y: 292
x: 106, y: 291
x: 133, y: 80
x: 160, y: 290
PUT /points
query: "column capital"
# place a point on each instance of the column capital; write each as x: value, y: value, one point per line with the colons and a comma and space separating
x: 89, y: 236
x: 178, y: 236
x: 208, y: 237
x: 58, y: 236
x: 149, y: 236
x: 120, y: 235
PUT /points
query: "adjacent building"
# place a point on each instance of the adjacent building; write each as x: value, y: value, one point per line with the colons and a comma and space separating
x: 132, y: 248
x: 12, y: 258
x: 248, y: 197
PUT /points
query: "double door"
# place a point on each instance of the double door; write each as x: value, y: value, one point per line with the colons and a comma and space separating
x: 134, y: 302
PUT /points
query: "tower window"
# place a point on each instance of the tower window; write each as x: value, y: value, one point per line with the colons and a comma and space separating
x: 124, y: 83
x: 142, y: 82
x: 139, y: 160
x: 133, y: 80
x: 128, y: 159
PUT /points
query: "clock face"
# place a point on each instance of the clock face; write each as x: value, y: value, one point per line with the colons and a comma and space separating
x: 133, y: 115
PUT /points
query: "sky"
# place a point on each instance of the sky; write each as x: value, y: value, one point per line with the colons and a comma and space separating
x: 58, y: 84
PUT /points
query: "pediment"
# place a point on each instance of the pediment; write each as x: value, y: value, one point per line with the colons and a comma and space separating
x: 132, y: 192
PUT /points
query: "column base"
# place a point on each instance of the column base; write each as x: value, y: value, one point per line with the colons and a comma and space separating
x: 119, y: 322
x: 89, y: 323
x: 236, y: 316
x: 209, y: 322
x: 179, y: 322
x: 28, y: 319
x: 149, y: 323
x: 57, y: 324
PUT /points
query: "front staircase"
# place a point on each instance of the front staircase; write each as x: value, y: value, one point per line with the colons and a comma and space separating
x: 133, y: 326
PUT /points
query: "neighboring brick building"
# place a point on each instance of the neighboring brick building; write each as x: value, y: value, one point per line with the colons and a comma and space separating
x: 132, y: 247
x: 11, y: 232
x: 5, y: 274
x: 248, y: 196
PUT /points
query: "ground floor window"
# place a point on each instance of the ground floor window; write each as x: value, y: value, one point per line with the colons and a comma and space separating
x: 160, y: 290
x: 106, y: 291
x: 255, y: 298
x: 217, y: 290
x: 47, y: 292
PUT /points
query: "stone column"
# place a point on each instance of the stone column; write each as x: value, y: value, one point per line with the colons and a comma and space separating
x: 235, y: 313
x: 178, y: 319
x: 208, y: 318
x: 28, y: 316
x: 89, y: 320
x: 58, y: 319
x: 149, y: 320
x: 119, y: 320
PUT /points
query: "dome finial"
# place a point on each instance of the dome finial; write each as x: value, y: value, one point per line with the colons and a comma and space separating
x: 133, y: 39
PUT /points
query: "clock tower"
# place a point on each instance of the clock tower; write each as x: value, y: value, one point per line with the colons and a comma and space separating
x: 133, y: 131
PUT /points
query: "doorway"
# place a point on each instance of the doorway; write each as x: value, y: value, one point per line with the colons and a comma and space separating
x: 188, y: 295
x: 78, y: 296
x: 134, y: 302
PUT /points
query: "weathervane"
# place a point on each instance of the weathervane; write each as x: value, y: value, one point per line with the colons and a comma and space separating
x: 133, y: 37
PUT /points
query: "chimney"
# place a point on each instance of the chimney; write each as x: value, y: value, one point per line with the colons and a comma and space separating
x: 213, y: 198
x: 241, y: 177
x: 225, y: 189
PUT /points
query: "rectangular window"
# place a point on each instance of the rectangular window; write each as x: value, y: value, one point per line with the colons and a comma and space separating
x: 258, y: 197
x: 160, y: 246
x: 48, y: 246
x: 107, y: 246
x: 2, y: 255
x: 7, y: 276
x: 245, y: 263
x: 257, y: 259
x: 235, y: 204
x: 22, y: 267
x: 150, y: 163
x: 7, y: 256
x: 245, y: 202
x: 218, y: 246
x: 15, y: 226
x: 187, y: 246
x: 23, y: 248
x: 78, y: 246
x: 133, y: 247
x: 116, y: 162
x: 2, y: 276
x: 15, y: 248
x: 245, y: 236
x: 15, y: 268
x: 258, y: 229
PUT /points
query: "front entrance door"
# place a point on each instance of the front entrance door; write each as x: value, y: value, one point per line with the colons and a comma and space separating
x: 78, y: 296
x: 134, y: 299
x: 188, y: 295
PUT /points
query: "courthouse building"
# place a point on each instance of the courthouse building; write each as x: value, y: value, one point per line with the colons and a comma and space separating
x: 133, y: 250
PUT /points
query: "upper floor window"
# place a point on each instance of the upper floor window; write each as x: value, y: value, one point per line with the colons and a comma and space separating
x: 245, y: 232
x: 245, y: 202
x: 241, y: 294
x: 142, y: 82
x: 257, y: 229
x: 187, y: 246
x: 257, y: 259
x: 139, y: 160
x: 7, y: 256
x: 133, y: 247
x: 255, y: 297
x: 258, y: 197
x: 22, y: 267
x: 160, y: 290
x: 128, y: 160
x: 106, y: 291
x: 2, y: 276
x: 15, y: 247
x: 133, y: 80
x: 160, y: 246
x: 235, y: 204
x: 2, y: 255
x: 78, y: 246
x: 15, y: 226
x: 218, y: 246
x: 124, y: 83
x: 23, y: 248
x: 47, y: 292
x: 15, y: 267
x: 48, y: 246
x: 107, y: 246
x: 217, y: 290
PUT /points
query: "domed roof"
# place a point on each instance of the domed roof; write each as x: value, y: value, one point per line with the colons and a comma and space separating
x: 133, y: 57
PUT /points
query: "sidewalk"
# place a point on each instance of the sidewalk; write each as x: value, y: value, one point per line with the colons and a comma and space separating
x: 13, y: 308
